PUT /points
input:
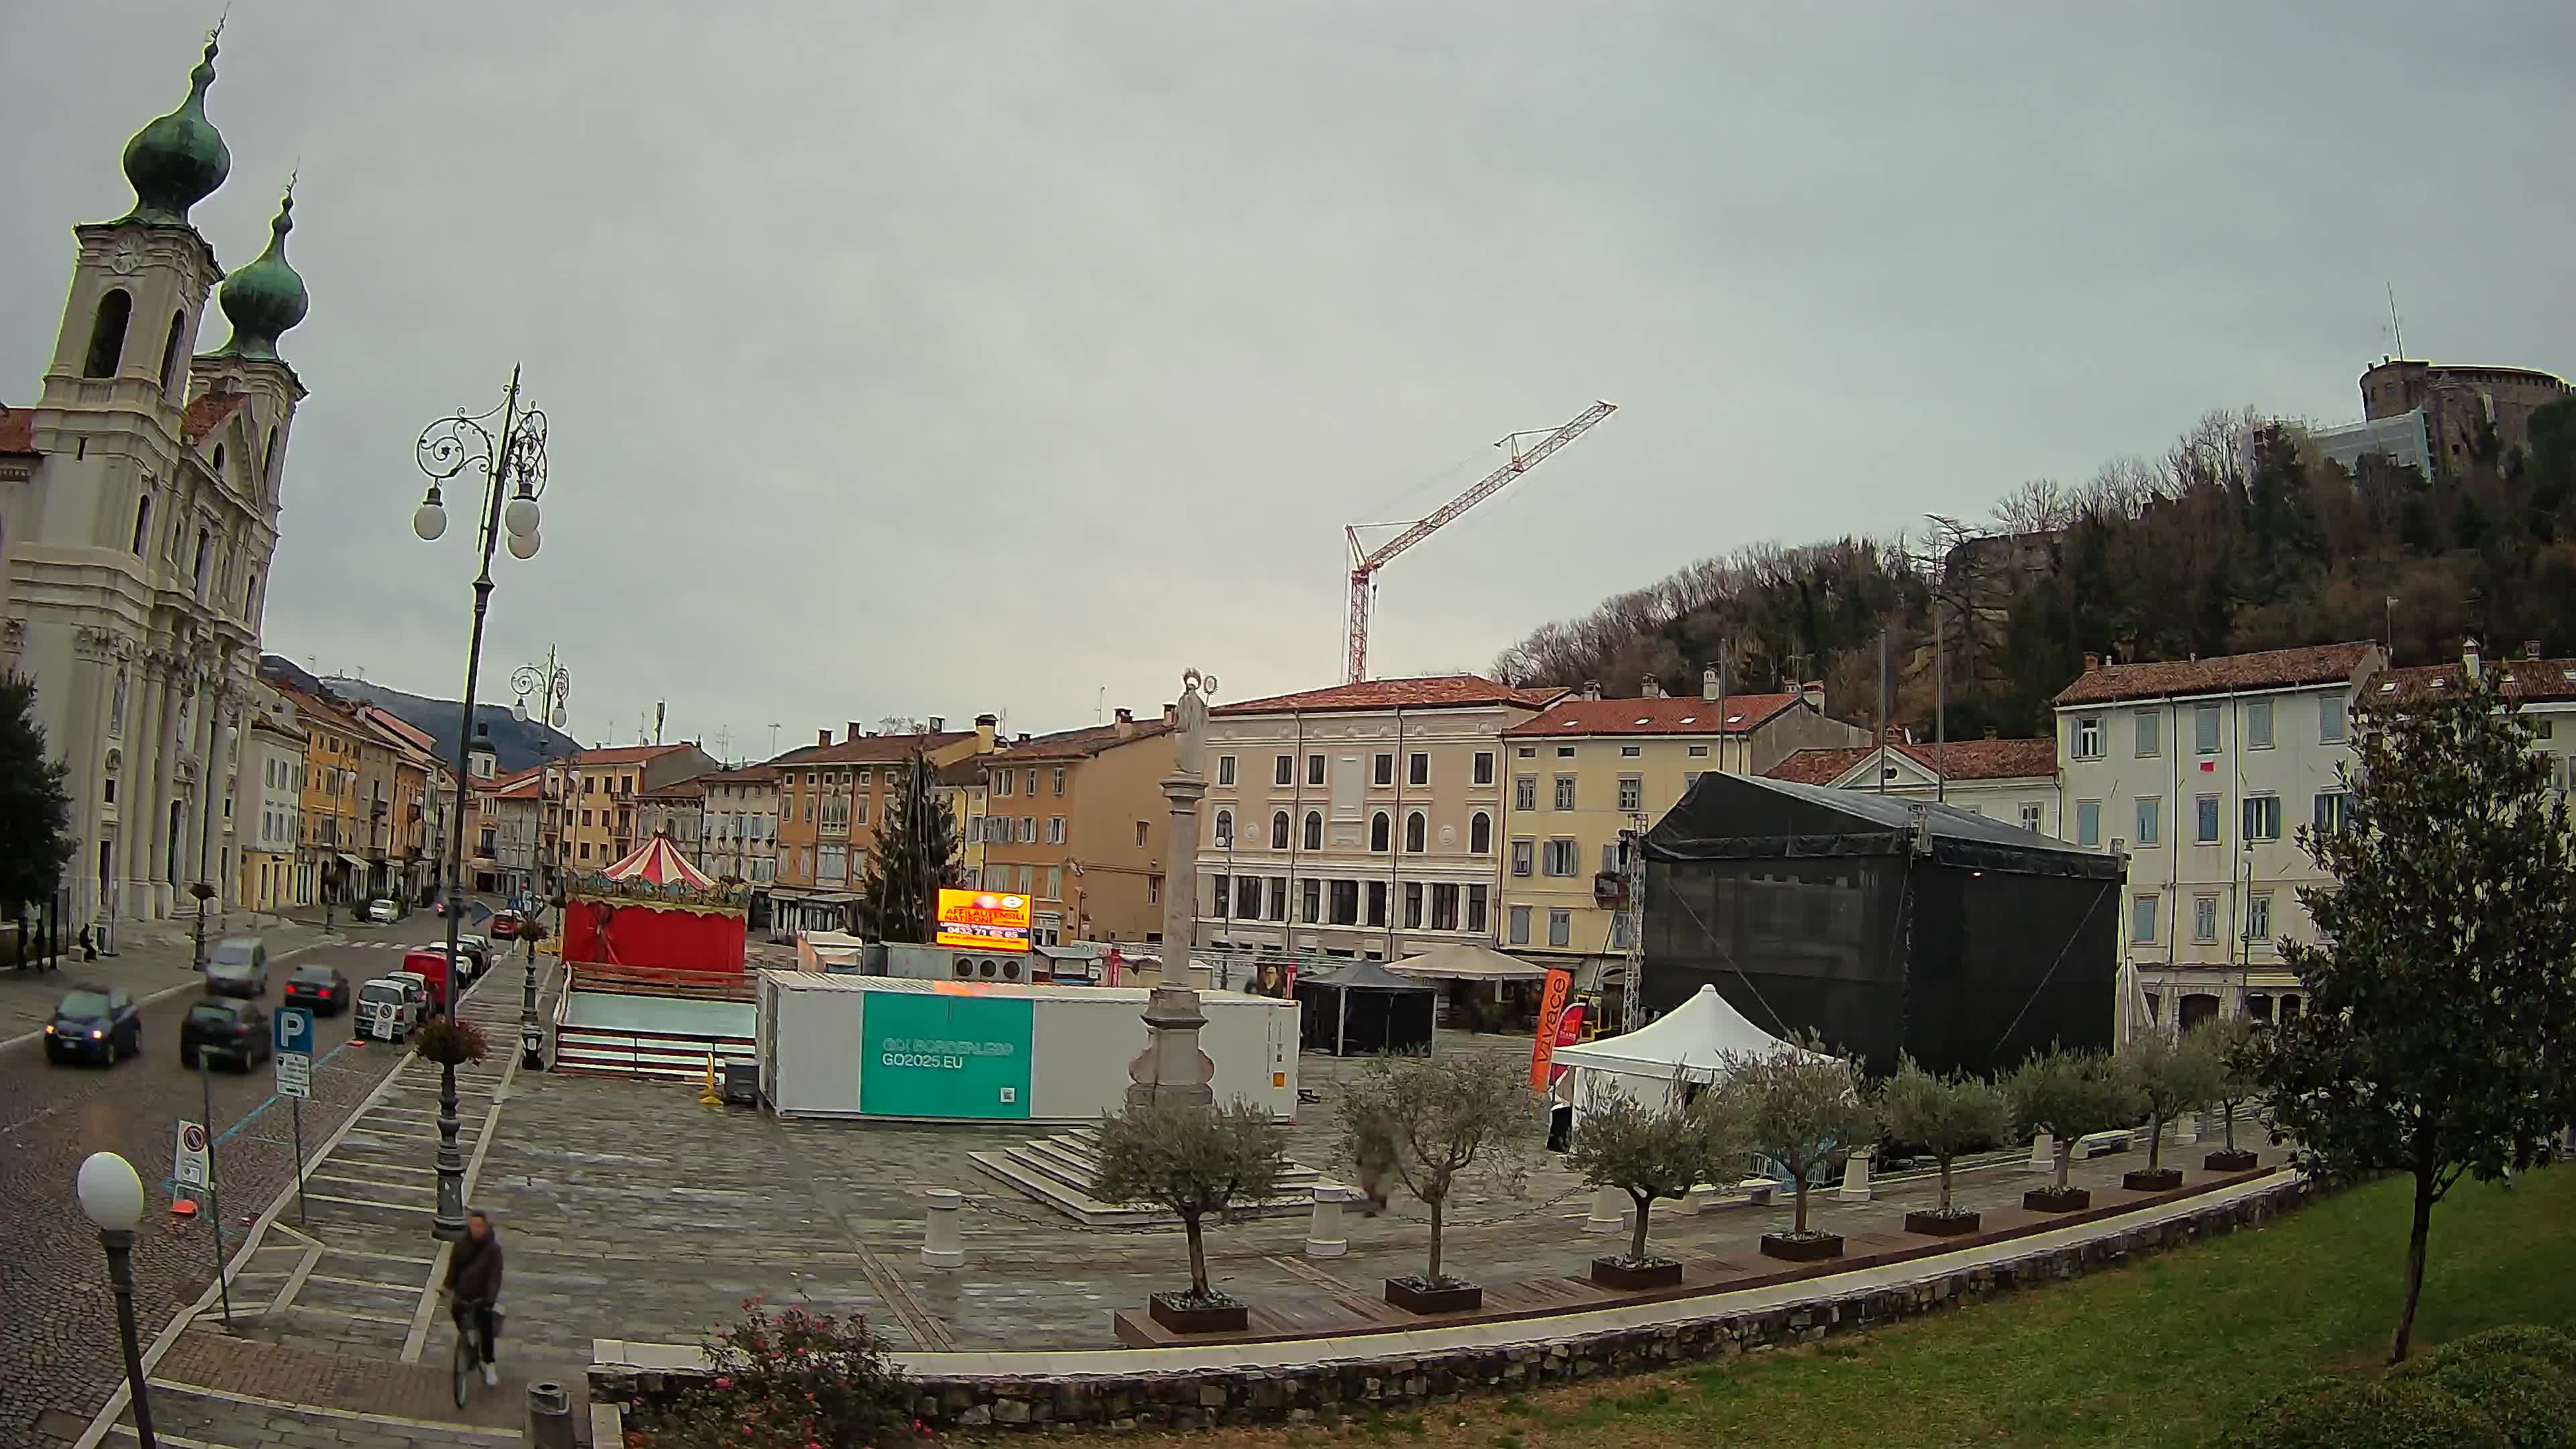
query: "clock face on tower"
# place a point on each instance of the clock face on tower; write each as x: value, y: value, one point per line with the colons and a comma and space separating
x: 126, y: 257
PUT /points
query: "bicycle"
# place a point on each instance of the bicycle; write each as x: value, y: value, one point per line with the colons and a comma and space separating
x: 466, y: 1363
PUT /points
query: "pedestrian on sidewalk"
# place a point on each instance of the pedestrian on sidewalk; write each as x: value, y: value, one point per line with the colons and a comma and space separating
x: 88, y: 947
x: 1373, y: 1151
x: 473, y: 1289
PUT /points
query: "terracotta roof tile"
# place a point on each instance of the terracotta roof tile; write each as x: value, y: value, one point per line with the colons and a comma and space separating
x: 747, y: 775
x: 1083, y: 743
x: 1432, y: 692
x: 872, y: 749
x: 693, y: 788
x: 624, y: 754
x: 2226, y: 674
x: 1667, y: 716
x: 2536, y: 680
x: 208, y: 412
x: 1957, y: 760
x: 17, y: 430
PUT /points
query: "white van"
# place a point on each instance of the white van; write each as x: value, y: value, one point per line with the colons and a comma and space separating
x: 388, y: 1009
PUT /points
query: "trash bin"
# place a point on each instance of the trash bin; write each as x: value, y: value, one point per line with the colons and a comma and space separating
x: 742, y: 1083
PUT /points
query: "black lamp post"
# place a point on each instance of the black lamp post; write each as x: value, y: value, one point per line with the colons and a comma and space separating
x: 513, y: 464
x: 552, y: 686
x: 111, y: 1197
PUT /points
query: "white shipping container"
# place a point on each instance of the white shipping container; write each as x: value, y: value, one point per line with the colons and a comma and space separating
x: 819, y: 1055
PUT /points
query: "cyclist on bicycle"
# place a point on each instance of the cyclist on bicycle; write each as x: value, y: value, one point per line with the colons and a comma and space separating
x: 474, y: 1286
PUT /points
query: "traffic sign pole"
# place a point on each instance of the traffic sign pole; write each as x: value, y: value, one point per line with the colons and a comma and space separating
x: 214, y: 1197
x: 294, y: 1041
x: 297, y: 1104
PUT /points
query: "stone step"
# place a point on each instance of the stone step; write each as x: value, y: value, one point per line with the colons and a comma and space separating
x: 1058, y: 1171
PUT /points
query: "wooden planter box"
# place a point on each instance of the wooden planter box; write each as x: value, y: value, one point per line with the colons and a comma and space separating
x: 2152, y: 1179
x: 1802, y: 1250
x: 2223, y: 1160
x: 2050, y: 1200
x: 1175, y: 1312
x: 1637, y: 1277
x: 1411, y: 1296
x: 1941, y: 1225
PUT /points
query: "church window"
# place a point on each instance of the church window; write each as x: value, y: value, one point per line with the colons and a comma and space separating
x: 107, y: 334
x: 170, y: 351
x: 205, y: 547
x: 268, y: 458
x: 219, y: 461
x: 142, y: 523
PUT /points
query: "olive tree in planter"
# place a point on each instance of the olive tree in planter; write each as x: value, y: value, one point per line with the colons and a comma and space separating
x: 1945, y: 1116
x: 1437, y: 1121
x: 1651, y: 1153
x: 1191, y: 1162
x: 1808, y: 1112
x: 2232, y: 1042
x: 2072, y: 1095
x: 2172, y: 1077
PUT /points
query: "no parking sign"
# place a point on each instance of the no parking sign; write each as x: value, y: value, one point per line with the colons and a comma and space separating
x: 188, y: 1162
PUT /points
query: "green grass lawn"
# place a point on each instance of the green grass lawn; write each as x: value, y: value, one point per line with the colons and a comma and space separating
x: 2161, y: 1353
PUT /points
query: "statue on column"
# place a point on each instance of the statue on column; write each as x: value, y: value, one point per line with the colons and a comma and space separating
x: 1189, y: 741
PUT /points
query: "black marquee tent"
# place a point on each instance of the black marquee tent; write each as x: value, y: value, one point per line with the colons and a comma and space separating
x: 1883, y: 924
x: 1364, y: 1009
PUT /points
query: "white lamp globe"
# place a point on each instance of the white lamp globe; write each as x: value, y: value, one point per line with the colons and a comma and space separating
x: 521, y: 516
x: 523, y: 545
x: 519, y: 711
x: 110, y: 1194
x: 429, y: 520
x: 562, y: 716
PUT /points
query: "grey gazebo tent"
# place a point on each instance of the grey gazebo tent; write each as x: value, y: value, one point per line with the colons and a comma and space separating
x: 1364, y: 1009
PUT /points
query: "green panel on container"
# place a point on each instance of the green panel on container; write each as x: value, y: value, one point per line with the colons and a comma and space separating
x: 938, y: 1055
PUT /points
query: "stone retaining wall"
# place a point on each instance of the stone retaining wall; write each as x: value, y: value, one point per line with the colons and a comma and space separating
x: 1327, y: 1391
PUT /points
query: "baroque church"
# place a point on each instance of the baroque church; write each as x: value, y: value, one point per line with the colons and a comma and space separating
x: 138, y: 516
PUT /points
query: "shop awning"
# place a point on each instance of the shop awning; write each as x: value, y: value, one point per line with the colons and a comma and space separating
x: 1467, y: 961
x: 353, y: 860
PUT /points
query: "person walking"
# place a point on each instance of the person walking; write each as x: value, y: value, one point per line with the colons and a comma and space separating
x: 473, y: 1288
x: 1373, y: 1153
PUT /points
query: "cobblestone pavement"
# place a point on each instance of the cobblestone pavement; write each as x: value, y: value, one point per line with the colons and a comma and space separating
x: 631, y: 1211
x: 58, y: 1352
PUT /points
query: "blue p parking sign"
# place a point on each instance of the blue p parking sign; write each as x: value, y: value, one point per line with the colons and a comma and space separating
x: 294, y: 1030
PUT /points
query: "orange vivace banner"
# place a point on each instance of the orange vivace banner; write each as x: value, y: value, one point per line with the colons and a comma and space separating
x: 1551, y: 1008
x: 983, y: 920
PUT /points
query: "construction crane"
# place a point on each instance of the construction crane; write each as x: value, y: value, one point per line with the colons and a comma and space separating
x: 1365, y: 562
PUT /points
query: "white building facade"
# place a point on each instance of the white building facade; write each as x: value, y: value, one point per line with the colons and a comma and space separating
x: 1361, y: 821
x: 139, y: 520
x: 741, y: 824
x: 2201, y: 773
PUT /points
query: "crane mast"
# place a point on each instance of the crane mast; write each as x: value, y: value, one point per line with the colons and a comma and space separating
x: 1365, y: 562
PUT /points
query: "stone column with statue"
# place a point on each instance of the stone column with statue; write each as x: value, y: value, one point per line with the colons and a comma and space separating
x: 1172, y: 1067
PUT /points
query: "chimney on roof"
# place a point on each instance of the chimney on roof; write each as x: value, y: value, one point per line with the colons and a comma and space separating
x: 1023, y: 739
x: 1126, y: 723
x: 1708, y: 685
x: 1813, y: 692
x: 2469, y: 657
x: 1652, y: 689
x: 986, y: 725
x: 856, y: 732
x: 2530, y: 648
x: 939, y: 724
x: 2092, y: 663
x: 1592, y: 689
x: 822, y: 737
x: 1990, y: 732
x: 1171, y: 714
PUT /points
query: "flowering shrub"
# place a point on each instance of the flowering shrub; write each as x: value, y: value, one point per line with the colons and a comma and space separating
x: 787, y: 1379
x: 449, y: 1041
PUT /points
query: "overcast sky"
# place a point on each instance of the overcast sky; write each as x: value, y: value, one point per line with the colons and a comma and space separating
x: 937, y: 358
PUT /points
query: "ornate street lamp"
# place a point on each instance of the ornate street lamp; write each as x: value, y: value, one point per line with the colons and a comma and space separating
x: 111, y: 1197
x: 513, y: 465
x: 552, y: 686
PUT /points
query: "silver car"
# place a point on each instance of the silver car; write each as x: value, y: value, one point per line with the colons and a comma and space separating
x: 239, y: 967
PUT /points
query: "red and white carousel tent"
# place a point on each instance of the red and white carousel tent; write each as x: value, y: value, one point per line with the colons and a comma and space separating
x: 657, y: 863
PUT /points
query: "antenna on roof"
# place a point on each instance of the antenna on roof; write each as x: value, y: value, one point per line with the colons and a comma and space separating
x: 2396, y: 328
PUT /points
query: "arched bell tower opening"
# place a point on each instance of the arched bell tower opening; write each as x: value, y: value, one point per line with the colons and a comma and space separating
x: 107, y: 333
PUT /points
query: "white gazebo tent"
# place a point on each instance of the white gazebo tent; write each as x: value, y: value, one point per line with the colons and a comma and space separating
x: 1683, y: 1046
x: 1467, y: 961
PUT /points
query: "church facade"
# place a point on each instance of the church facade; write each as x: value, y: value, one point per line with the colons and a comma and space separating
x: 138, y: 518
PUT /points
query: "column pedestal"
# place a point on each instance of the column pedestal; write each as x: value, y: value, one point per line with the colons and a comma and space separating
x: 941, y: 1247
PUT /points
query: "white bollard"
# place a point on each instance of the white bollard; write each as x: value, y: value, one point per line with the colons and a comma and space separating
x: 1855, y: 1186
x: 1610, y: 1207
x: 940, y: 1245
x: 1324, y: 1234
x: 2186, y: 1129
x: 2043, y: 1152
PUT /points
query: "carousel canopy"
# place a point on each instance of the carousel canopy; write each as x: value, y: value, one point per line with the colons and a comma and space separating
x: 657, y: 863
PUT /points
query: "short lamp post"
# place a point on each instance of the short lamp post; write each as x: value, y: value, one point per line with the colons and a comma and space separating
x: 111, y: 1197
x: 513, y: 465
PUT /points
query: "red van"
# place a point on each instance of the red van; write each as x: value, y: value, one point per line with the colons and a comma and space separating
x: 430, y: 965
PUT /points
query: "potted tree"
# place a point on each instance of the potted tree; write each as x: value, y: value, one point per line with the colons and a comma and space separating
x: 1807, y: 1112
x: 2233, y: 1042
x: 1191, y: 1162
x: 2171, y: 1078
x: 2071, y: 1094
x: 1650, y: 1153
x: 1945, y: 1116
x: 1432, y: 1122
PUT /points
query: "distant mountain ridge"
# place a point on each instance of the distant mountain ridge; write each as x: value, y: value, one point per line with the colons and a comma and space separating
x: 516, y: 744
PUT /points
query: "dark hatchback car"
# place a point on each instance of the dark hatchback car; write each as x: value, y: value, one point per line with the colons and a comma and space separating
x: 93, y: 1024
x: 322, y: 988
x: 224, y: 1031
